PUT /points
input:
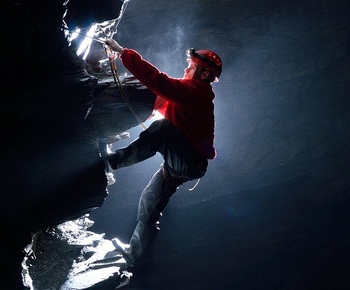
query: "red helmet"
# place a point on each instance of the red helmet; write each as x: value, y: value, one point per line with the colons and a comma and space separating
x: 206, y: 58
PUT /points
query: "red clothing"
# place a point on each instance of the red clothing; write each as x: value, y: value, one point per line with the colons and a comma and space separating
x: 189, y: 103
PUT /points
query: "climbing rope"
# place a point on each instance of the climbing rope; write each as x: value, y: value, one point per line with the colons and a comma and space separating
x: 193, y: 187
x: 111, y: 56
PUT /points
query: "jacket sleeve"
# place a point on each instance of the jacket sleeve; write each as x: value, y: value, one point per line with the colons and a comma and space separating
x: 171, y: 89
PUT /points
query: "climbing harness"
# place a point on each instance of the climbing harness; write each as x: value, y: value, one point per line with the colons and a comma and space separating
x: 172, y: 181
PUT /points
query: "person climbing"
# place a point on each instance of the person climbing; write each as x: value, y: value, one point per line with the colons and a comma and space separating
x: 184, y: 138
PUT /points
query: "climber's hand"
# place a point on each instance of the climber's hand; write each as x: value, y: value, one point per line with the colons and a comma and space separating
x: 113, y: 45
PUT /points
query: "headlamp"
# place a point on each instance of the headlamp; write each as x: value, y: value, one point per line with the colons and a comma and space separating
x: 191, y: 53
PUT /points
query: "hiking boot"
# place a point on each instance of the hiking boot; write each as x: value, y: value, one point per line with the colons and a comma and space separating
x: 108, y: 157
x: 125, y: 250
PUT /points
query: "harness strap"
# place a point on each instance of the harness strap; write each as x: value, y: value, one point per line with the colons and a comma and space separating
x: 173, y: 182
x: 169, y: 179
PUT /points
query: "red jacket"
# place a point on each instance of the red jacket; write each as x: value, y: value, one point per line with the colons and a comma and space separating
x: 189, y: 103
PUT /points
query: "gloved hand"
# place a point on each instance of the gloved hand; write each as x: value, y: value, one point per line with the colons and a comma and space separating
x: 113, y: 45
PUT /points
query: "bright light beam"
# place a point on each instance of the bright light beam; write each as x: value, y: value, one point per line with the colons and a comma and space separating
x: 86, y: 43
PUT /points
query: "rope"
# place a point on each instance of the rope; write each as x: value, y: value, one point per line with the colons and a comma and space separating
x: 193, y: 187
x: 120, y: 87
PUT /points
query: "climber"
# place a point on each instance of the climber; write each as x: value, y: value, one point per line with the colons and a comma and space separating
x: 184, y: 137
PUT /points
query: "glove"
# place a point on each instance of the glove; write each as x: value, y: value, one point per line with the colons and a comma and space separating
x: 113, y: 45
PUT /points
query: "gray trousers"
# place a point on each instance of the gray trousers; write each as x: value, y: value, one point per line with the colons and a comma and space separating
x: 181, y: 163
